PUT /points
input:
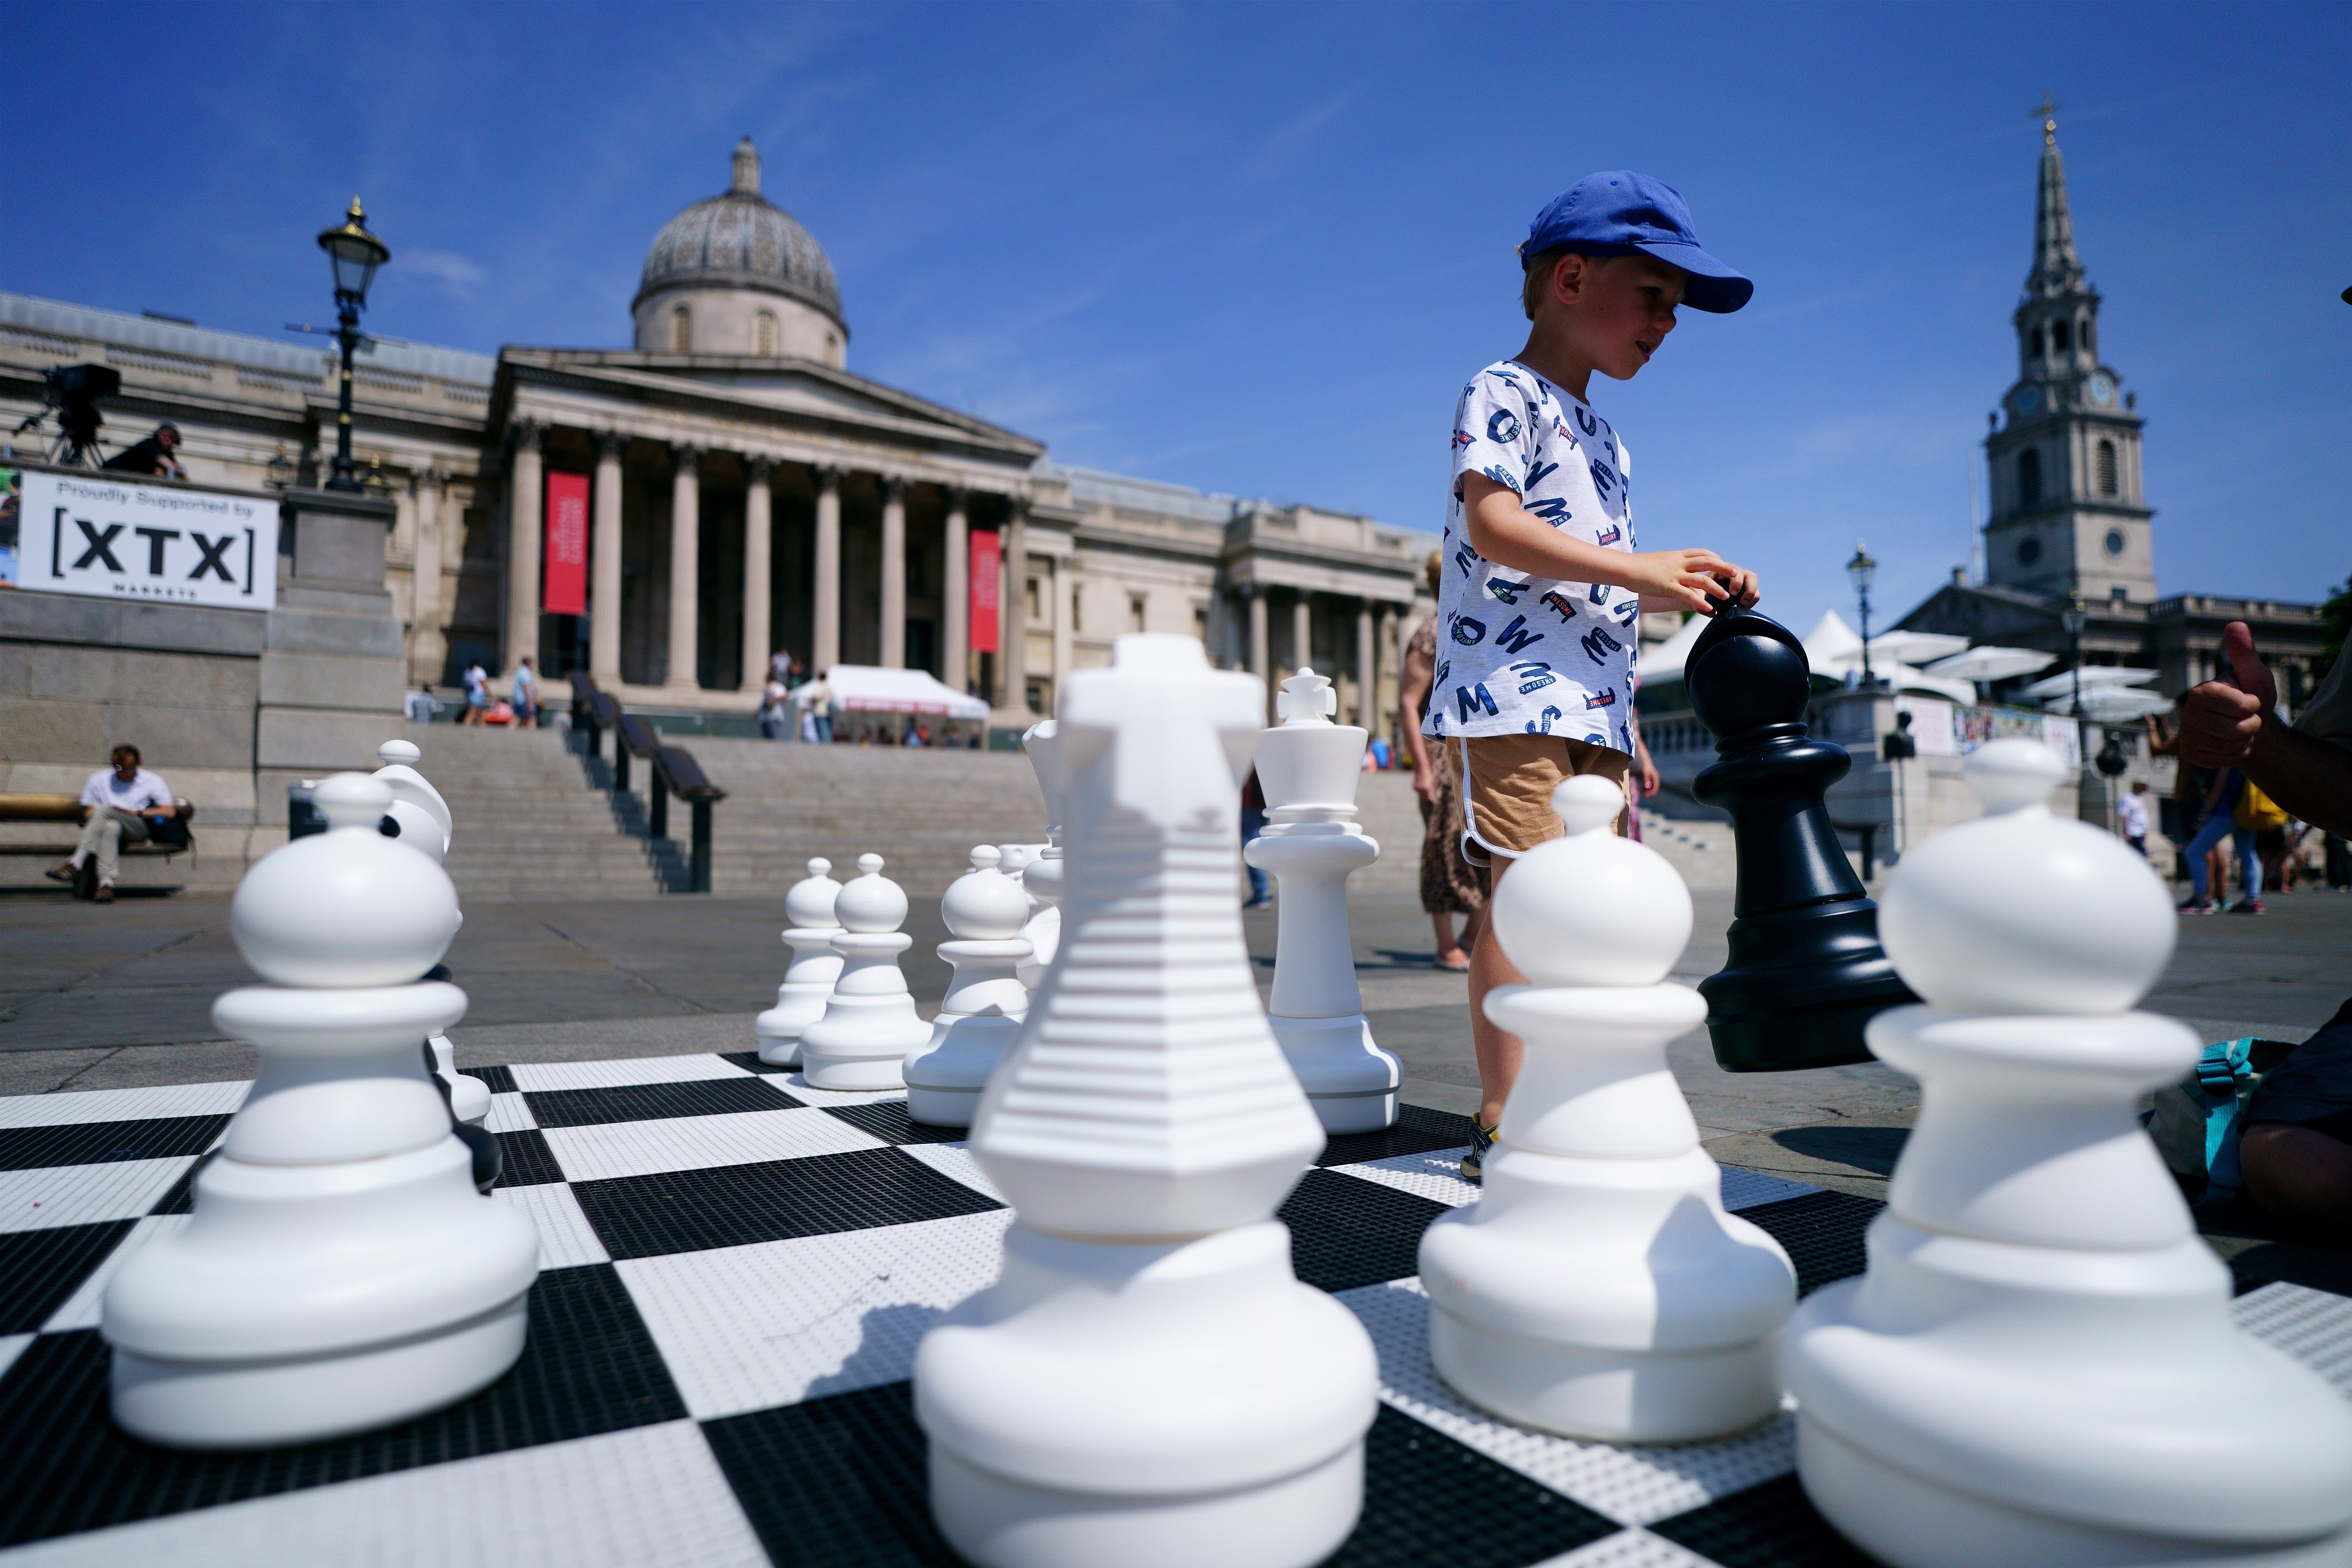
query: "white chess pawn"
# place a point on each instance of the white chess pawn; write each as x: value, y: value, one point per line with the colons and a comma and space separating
x: 815, y: 966
x: 426, y: 825
x: 985, y: 1003
x: 1309, y: 767
x: 340, y: 1272
x: 2039, y: 1367
x: 869, y: 1022
x: 1147, y: 1385
x: 1598, y: 1288
x: 1042, y: 875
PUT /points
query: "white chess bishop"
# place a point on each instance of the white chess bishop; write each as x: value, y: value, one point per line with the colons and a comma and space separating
x: 1041, y: 874
x: 869, y: 1022
x: 1309, y: 768
x: 340, y: 1272
x: 1147, y: 1385
x: 1598, y: 1288
x: 985, y: 1002
x: 810, y: 977
x: 2040, y: 1365
x: 428, y: 825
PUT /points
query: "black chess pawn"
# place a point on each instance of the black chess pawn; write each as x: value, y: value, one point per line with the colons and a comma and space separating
x: 1806, y: 972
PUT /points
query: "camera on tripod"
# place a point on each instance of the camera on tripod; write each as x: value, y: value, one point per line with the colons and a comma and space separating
x: 73, y: 391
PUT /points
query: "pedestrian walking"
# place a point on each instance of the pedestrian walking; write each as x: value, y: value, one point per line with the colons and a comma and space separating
x: 775, y: 704
x: 477, y: 682
x: 1450, y: 886
x: 2131, y: 816
x: 1254, y: 824
x: 524, y: 697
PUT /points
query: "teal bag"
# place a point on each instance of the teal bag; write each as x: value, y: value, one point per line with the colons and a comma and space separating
x: 2197, y: 1122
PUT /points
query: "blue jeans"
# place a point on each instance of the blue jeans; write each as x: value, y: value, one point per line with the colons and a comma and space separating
x: 2241, y: 842
x: 1254, y: 824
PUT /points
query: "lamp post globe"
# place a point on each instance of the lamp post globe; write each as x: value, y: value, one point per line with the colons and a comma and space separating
x: 1862, y: 571
x: 354, y: 254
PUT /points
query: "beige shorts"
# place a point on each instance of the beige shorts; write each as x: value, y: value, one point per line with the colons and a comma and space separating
x: 1506, y: 783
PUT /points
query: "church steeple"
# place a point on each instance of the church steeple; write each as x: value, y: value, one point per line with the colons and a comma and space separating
x: 2065, y: 474
x: 2057, y: 269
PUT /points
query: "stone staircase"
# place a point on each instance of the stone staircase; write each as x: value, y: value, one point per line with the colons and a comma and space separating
x: 529, y: 825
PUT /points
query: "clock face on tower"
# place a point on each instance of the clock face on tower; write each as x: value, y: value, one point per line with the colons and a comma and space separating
x: 2103, y: 389
x: 2025, y: 399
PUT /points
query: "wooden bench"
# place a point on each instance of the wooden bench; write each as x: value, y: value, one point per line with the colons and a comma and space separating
x: 66, y: 810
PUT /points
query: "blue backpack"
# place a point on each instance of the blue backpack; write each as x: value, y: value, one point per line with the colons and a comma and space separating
x: 2196, y: 1122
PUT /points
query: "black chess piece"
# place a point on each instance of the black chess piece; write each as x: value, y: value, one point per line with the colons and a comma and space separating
x: 1806, y: 972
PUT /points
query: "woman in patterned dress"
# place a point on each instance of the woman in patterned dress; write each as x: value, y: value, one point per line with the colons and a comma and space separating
x: 1450, y: 885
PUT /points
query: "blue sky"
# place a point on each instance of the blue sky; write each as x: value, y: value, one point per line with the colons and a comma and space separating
x: 1259, y: 249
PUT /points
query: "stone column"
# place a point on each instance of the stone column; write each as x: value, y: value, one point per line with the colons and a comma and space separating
x: 759, y: 507
x: 1389, y: 656
x: 425, y: 618
x: 1259, y: 657
x: 894, y: 574
x: 955, y: 624
x: 1015, y: 617
x: 1063, y: 621
x: 684, y: 565
x: 1302, y: 635
x: 1368, y: 666
x: 526, y: 494
x: 605, y: 565
x: 824, y: 632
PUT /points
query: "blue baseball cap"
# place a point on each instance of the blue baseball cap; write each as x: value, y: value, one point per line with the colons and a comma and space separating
x: 1617, y: 212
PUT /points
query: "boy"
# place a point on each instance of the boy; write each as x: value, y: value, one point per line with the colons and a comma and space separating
x: 1542, y: 585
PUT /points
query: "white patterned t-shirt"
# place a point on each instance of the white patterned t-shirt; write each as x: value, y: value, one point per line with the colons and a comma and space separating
x: 1518, y: 654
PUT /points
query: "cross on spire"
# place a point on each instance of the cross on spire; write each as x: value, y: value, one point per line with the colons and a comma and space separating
x: 2047, y: 112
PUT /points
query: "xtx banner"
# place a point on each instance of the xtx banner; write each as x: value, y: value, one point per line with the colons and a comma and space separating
x: 118, y: 539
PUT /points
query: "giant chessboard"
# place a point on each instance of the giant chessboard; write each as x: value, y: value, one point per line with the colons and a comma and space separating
x: 736, y: 1271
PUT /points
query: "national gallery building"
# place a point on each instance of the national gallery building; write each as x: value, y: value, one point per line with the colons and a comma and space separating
x: 744, y: 491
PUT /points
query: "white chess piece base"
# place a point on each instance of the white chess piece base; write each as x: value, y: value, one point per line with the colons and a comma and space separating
x: 977, y: 1023
x: 869, y: 1022
x: 1351, y: 1083
x: 800, y: 1000
x: 1259, y: 1389
x: 240, y: 1331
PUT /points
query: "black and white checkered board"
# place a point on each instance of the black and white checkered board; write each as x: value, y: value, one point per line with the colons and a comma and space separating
x: 737, y: 1268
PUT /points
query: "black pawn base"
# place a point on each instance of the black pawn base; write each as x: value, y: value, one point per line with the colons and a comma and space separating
x: 1806, y: 972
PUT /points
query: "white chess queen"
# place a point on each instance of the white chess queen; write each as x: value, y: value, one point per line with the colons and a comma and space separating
x: 2039, y: 1367
x: 339, y: 1271
x: 1148, y: 1385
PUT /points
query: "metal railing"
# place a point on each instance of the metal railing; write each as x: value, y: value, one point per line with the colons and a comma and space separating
x: 669, y: 770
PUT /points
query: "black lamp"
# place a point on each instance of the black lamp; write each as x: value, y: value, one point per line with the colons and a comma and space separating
x: 354, y: 254
x: 1861, y: 572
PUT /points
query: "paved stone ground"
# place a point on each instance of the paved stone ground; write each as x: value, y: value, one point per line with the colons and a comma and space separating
x: 116, y: 997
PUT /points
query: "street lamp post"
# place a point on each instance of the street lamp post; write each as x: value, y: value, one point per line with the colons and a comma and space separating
x: 355, y: 254
x: 1861, y: 571
x: 2072, y: 618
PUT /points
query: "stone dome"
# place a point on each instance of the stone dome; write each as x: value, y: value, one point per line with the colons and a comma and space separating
x: 740, y: 241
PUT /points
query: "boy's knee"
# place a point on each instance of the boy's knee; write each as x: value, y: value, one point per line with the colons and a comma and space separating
x: 2298, y: 1173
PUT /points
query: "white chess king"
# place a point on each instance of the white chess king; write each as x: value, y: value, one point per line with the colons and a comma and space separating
x: 1147, y: 1385
x: 983, y: 911
x: 1309, y: 768
x: 869, y: 1022
x: 1041, y: 873
x: 810, y: 977
x: 2039, y: 1367
x: 1598, y: 1288
x: 339, y: 1271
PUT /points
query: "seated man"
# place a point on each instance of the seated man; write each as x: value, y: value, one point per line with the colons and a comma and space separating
x: 116, y: 804
x: 2297, y: 1152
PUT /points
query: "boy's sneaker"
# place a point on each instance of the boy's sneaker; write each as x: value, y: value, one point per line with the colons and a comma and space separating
x: 1474, y: 1163
x: 2246, y: 907
x: 2197, y: 907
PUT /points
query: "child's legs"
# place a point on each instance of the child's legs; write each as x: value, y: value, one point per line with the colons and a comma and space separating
x: 2250, y: 863
x: 1506, y: 783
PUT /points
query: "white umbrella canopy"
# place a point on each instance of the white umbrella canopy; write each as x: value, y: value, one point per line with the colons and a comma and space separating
x: 2112, y: 704
x: 870, y: 688
x: 1992, y: 664
x: 1830, y: 643
x: 2093, y: 675
x: 1665, y: 662
x: 1914, y: 647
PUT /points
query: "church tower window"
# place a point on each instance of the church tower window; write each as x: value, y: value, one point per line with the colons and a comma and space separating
x: 2033, y: 343
x: 2107, y: 467
x: 2028, y: 477
x: 764, y: 332
x: 2058, y: 337
x: 681, y: 330
x: 2089, y: 336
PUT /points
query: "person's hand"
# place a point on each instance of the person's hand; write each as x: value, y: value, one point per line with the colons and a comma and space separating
x: 1697, y: 579
x: 1649, y: 775
x: 2220, y: 719
x: 1425, y: 781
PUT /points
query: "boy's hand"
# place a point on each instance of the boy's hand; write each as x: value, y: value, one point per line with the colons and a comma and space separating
x: 1690, y: 580
x: 2220, y: 719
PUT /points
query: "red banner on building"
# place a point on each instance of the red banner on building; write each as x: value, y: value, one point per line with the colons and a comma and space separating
x: 987, y: 589
x: 567, y: 544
